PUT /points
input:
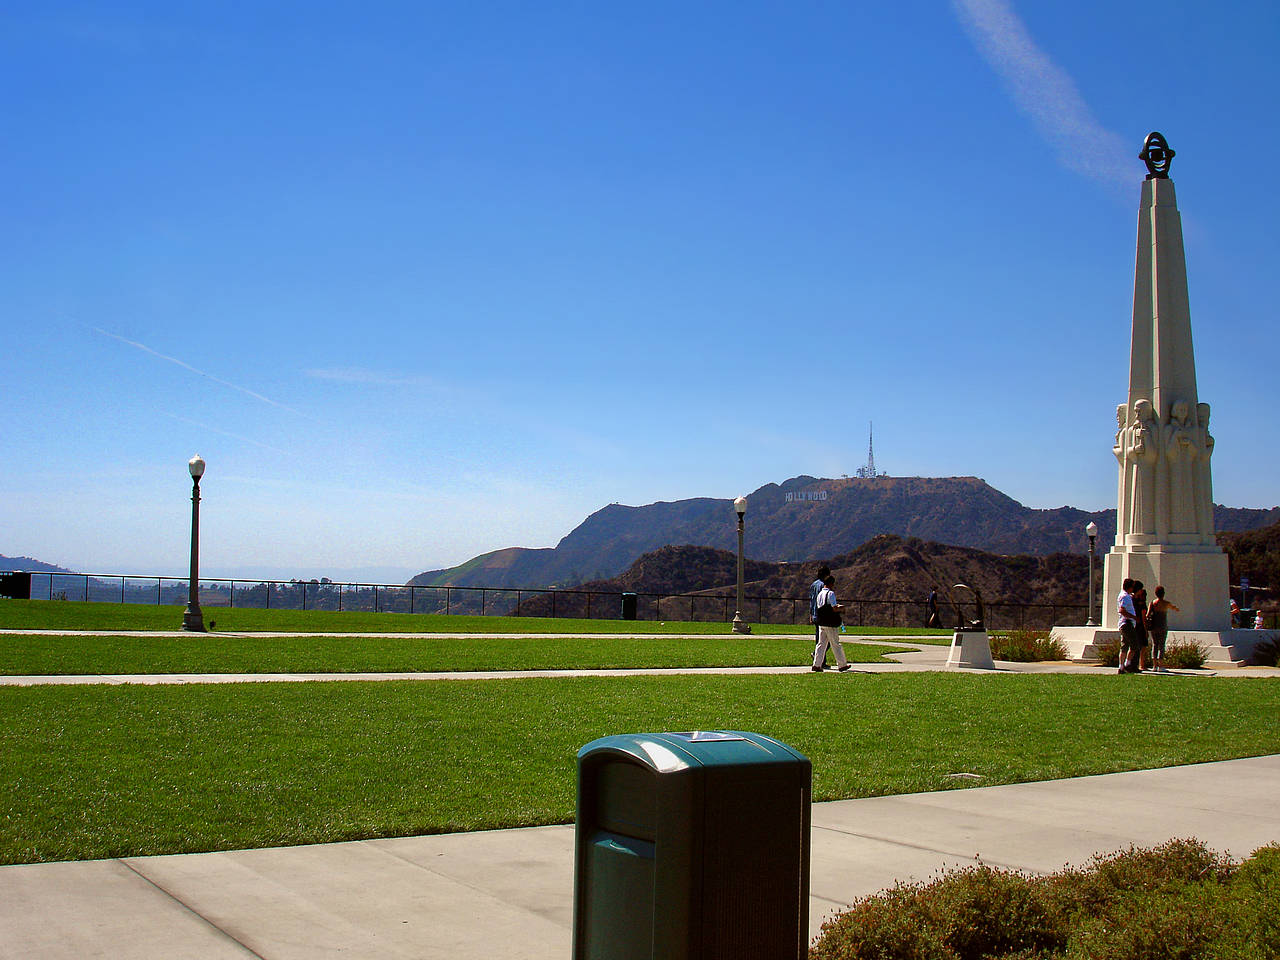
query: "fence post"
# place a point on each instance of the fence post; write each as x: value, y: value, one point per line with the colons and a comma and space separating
x: 588, y: 604
x: 553, y: 604
x: 448, y: 595
x: 517, y: 603
x: 482, y: 593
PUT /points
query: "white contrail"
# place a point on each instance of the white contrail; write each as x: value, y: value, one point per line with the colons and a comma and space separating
x: 208, y: 376
x: 227, y: 433
x: 1044, y: 91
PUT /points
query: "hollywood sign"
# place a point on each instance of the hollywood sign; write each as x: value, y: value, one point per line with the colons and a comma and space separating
x: 806, y: 495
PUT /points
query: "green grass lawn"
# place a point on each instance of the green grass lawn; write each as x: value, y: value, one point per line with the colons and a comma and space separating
x: 69, y: 615
x: 26, y: 654
x: 104, y: 771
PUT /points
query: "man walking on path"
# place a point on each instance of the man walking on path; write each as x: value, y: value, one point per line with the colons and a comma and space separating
x: 827, y: 616
x: 815, y: 588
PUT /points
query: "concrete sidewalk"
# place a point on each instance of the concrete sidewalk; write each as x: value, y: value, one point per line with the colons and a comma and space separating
x: 508, y: 893
x: 923, y: 658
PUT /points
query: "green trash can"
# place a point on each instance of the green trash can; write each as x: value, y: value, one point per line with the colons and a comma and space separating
x: 628, y: 606
x: 691, y: 846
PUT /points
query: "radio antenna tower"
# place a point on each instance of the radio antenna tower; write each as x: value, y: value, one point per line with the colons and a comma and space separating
x: 868, y: 471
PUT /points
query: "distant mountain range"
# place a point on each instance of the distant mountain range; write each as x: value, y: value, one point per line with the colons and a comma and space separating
x: 26, y: 563
x: 807, y: 518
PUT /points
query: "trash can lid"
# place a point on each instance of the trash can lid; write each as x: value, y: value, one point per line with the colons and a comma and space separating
x: 669, y: 752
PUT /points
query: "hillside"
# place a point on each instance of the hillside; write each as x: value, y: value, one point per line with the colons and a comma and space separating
x: 807, y: 518
x: 26, y: 563
x: 1255, y: 555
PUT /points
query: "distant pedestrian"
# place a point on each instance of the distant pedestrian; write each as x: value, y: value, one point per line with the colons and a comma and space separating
x: 1128, y: 617
x: 931, y: 610
x: 815, y: 588
x: 827, y: 615
x: 1235, y: 612
x: 1257, y: 621
x: 1158, y: 627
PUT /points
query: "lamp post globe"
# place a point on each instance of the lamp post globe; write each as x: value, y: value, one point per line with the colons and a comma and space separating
x: 1091, y: 531
x: 739, y: 625
x: 192, y: 618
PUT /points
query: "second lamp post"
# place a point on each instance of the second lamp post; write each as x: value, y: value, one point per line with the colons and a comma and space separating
x: 1091, y: 531
x: 192, y: 618
x: 740, y: 625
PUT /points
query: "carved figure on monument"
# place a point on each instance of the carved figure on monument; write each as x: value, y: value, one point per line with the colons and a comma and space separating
x: 1182, y: 449
x: 1120, y: 449
x: 1144, y: 458
x: 1205, y: 484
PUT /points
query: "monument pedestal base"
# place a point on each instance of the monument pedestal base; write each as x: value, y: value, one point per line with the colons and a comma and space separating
x: 971, y: 648
x: 1226, y: 648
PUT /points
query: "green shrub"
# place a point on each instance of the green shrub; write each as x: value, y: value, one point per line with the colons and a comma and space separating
x: 1183, y: 922
x: 1186, y: 654
x: 1108, y: 653
x: 892, y: 925
x: 984, y: 912
x: 1177, y: 901
x: 1266, y: 654
x: 1026, y: 646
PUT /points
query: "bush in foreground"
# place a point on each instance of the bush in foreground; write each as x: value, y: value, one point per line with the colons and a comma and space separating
x: 1026, y: 646
x: 1186, y: 654
x: 1108, y: 653
x: 1178, y: 901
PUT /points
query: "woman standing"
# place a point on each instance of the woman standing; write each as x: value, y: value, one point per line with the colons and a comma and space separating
x: 1158, y: 626
x: 1144, y: 636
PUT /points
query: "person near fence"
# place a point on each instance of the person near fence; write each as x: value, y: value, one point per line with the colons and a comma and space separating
x: 827, y: 616
x: 1158, y: 627
x: 932, y: 619
x: 815, y: 588
x: 1128, y: 627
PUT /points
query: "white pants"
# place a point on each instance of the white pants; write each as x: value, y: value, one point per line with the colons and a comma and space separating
x: 828, y: 637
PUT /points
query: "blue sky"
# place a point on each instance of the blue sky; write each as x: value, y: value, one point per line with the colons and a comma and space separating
x: 421, y: 280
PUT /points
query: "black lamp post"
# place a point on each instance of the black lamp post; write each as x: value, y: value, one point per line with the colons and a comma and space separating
x: 739, y: 625
x: 192, y: 618
x: 1092, y: 531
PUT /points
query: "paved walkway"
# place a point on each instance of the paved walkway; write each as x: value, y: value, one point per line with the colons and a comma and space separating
x: 923, y: 658
x: 509, y: 893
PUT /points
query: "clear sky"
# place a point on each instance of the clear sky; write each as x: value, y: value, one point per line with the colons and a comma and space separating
x: 421, y: 280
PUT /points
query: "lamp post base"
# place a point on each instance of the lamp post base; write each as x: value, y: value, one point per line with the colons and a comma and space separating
x: 193, y: 620
x: 740, y: 625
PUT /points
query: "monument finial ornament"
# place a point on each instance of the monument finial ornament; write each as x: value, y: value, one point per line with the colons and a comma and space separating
x: 1157, y: 155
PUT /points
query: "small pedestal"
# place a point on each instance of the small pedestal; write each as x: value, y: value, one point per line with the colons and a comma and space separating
x: 971, y: 648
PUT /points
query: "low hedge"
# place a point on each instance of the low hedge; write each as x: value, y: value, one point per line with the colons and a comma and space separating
x: 1177, y: 901
x: 1027, y: 646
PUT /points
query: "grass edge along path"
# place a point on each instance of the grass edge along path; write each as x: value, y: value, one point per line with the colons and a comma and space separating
x: 76, y: 615
x: 110, y: 771
x: 75, y: 655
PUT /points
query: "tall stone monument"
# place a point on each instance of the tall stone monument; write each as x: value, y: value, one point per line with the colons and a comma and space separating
x: 1164, y: 522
